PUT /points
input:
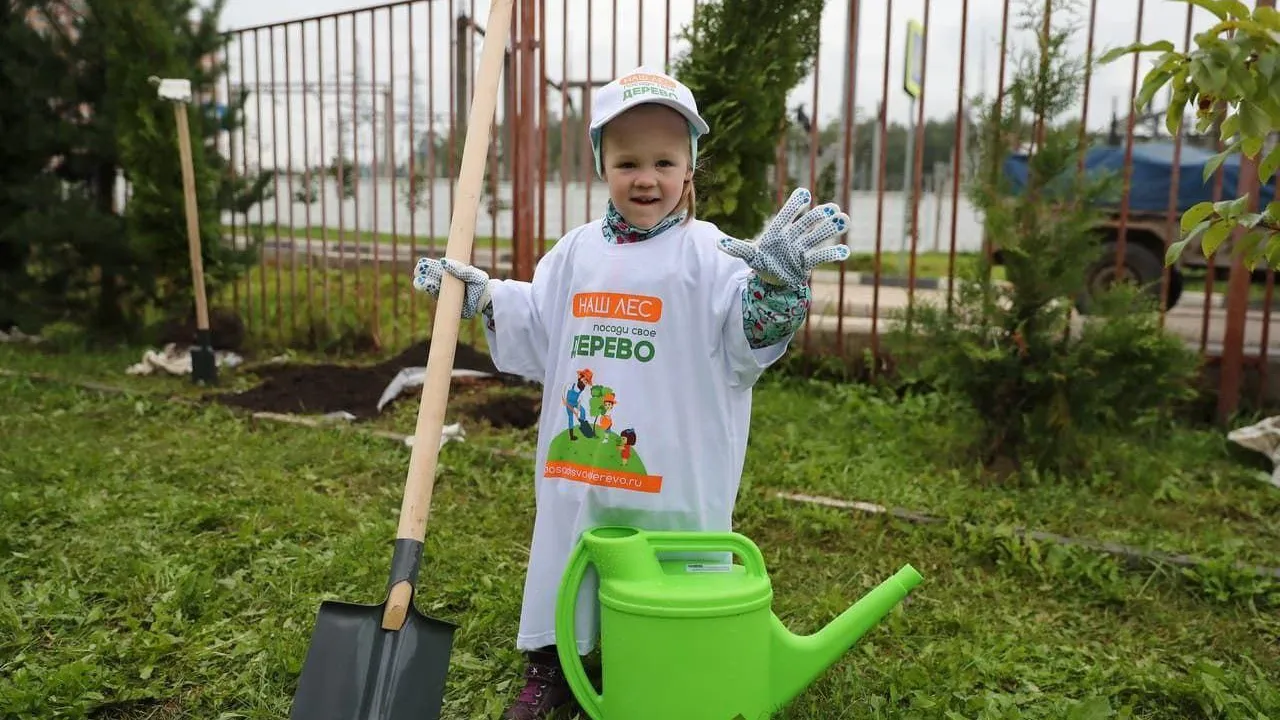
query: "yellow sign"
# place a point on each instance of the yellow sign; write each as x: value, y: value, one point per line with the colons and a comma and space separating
x: 913, y: 74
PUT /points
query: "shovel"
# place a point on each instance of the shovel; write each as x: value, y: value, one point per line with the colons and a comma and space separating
x: 204, y: 366
x: 389, y: 661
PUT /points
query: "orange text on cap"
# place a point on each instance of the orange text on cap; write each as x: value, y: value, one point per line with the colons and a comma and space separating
x: 618, y: 306
x: 646, y: 77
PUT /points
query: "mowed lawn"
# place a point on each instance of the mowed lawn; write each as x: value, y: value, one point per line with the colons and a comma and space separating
x: 164, y: 560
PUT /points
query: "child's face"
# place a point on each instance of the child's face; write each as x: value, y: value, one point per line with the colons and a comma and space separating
x: 646, y: 163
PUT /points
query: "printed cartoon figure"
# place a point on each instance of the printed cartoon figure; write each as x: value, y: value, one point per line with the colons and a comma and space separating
x: 603, y: 421
x: 573, y: 403
x: 624, y: 448
x: 603, y: 400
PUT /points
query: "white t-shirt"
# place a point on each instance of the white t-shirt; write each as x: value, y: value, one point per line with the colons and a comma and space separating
x: 642, y: 343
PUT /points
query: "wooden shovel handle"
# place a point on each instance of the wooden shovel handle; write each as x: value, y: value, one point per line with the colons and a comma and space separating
x: 193, y: 221
x: 444, y: 334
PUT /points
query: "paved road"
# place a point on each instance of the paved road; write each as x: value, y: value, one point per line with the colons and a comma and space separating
x: 1186, y: 319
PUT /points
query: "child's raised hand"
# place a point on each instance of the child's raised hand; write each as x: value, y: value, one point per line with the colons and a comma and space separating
x: 430, y: 271
x: 790, y: 247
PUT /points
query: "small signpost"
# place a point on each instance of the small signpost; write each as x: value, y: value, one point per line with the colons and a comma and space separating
x: 912, y: 82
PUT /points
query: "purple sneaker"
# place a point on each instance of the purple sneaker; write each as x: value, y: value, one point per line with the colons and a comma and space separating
x: 545, y: 689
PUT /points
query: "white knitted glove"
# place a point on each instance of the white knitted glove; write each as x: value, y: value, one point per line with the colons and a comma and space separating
x: 789, y: 249
x: 428, y: 275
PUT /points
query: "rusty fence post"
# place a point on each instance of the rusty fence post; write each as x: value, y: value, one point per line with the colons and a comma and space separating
x: 1232, y: 367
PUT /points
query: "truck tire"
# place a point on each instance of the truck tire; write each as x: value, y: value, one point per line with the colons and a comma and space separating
x: 1141, y: 265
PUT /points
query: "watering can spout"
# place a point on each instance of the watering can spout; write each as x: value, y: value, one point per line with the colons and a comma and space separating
x: 797, y: 660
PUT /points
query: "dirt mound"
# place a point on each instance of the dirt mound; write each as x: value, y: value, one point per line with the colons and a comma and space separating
x: 518, y: 411
x: 327, y: 388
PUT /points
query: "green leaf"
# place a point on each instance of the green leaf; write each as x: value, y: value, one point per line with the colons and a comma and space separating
x: 1231, y: 208
x: 1230, y: 126
x: 1236, y: 8
x: 1114, y: 53
x: 1273, y: 211
x: 1175, y: 251
x: 1196, y: 214
x: 1249, y: 220
x: 1267, y: 168
x: 1253, y: 120
x: 1215, y: 235
x: 1267, y: 16
x: 1177, y: 108
x: 1213, y: 163
x: 1217, y: 7
x: 1152, y: 84
x: 1251, y: 248
x: 1252, y: 146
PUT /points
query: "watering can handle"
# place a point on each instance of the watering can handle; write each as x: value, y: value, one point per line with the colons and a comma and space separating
x: 566, y: 638
x: 738, y: 544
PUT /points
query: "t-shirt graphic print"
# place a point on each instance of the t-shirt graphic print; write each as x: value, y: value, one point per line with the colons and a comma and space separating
x: 589, y: 449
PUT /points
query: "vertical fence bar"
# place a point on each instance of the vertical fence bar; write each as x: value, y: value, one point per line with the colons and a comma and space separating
x: 1171, y: 210
x: 414, y: 187
x: 918, y: 163
x: 1238, y: 287
x: 392, y: 173
x: 275, y: 159
x: 880, y: 172
x: 988, y: 246
x: 433, y: 172
x: 588, y: 176
x: 340, y: 164
x: 262, y: 209
x: 1128, y: 152
x: 814, y: 127
x: 324, y: 187
x: 542, y: 129
x: 375, y: 177
x: 666, y: 39
x: 356, y: 172
x: 854, y: 10
x: 958, y: 154
x: 306, y: 176
x: 244, y: 167
x: 288, y: 154
x: 564, y: 119
x: 1088, y: 83
x: 231, y: 167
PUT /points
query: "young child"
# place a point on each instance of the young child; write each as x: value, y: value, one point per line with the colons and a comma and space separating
x: 674, y: 319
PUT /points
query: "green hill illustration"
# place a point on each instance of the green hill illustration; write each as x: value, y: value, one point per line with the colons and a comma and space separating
x: 604, y: 451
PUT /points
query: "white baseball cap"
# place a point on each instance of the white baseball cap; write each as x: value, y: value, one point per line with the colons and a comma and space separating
x: 641, y: 86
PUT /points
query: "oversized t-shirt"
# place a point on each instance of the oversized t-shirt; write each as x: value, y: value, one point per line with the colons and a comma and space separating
x: 647, y: 377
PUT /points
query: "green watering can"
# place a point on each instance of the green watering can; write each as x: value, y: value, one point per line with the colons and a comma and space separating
x: 690, y: 640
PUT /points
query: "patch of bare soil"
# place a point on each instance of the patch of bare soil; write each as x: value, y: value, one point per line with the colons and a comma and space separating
x: 305, y: 389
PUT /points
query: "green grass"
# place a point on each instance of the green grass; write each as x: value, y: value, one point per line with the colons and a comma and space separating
x: 160, y: 560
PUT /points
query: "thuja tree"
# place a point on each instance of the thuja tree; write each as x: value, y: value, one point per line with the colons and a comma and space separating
x: 745, y: 57
x: 84, y: 259
x: 1041, y: 389
x: 1232, y: 78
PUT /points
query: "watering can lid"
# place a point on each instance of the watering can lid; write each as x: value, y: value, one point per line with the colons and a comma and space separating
x: 690, y: 588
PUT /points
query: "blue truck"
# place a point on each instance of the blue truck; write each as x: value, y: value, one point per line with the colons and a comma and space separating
x: 1147, y: 228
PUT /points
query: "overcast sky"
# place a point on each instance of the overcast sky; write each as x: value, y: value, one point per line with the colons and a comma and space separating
x: 1164, y: 19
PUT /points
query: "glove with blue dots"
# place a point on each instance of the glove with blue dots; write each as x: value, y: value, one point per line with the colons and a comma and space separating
x: 430, y: 272
x: 791, y: 247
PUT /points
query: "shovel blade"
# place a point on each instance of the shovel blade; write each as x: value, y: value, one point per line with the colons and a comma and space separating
x: 355, y: 670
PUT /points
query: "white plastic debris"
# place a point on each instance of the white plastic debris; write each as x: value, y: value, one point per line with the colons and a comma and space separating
x: 448, y: 433
x: 176, y: 360
x: 409, y: 378
x: 1264, y: 437
x: 17, y: 336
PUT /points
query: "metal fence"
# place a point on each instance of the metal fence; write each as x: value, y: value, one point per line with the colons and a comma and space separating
x: 876, y: 126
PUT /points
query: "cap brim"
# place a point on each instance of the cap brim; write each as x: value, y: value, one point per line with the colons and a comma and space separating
x: 694, y: 119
